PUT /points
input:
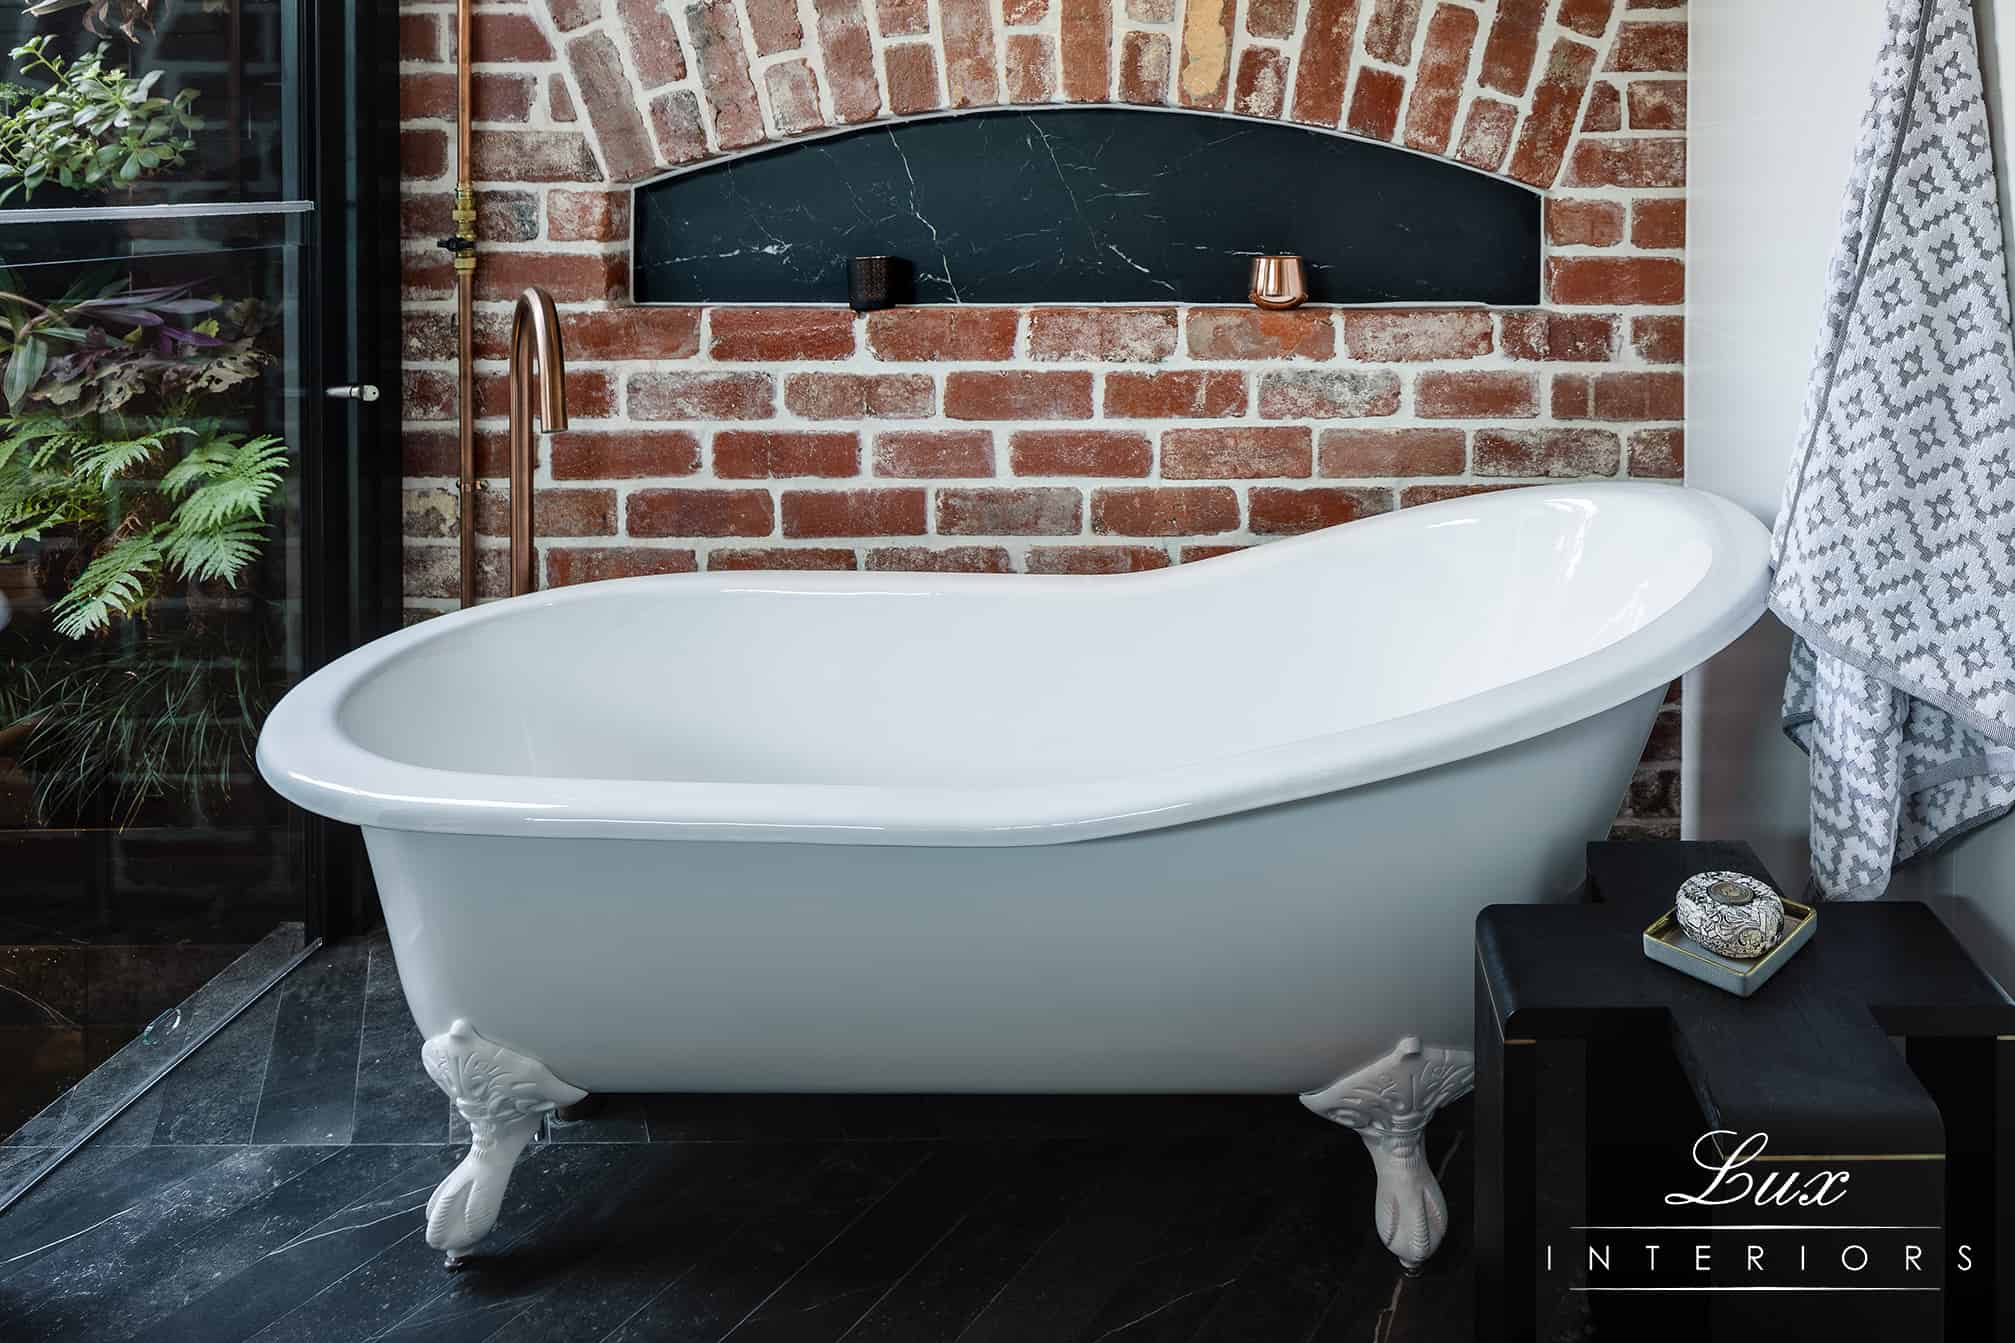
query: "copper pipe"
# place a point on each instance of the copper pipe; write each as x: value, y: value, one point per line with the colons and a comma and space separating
x: 465, y: 369
x: 536, y: 358
x: 462, y: 246
x: 464, y: 62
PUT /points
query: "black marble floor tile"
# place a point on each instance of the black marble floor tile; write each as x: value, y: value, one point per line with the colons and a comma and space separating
x: 110, y: 1084
x: 93, y: 1187
x: 290, y: 1273
x: 209, y: 1098
x: 854, y: 1270
x: 114, y: 1258
x: 41, y: 1130
x: 242, y: 977
x: 150, y: 1054
x: 951, y: 1283
x: 1202, y: 1247
x: 199, y: 1266
x: 600, y: 1265
x: 1066, y: 1284
x: 207, y: 1211
x: 384, y: 1289
x: 554, y: 1271
x: 19, y: 1164
x: 133, y: 1125
x: 1439, y: 1304
x: 83, y: 1165
x: 396, y: 1101
x: 310, y: 1090
x: 766, y: 1252
x: 67, y: 1006
x: 1318, y: 1255
x: 137, y: 1060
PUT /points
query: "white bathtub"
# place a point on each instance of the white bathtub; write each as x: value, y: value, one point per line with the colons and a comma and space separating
x: 1219, y: 827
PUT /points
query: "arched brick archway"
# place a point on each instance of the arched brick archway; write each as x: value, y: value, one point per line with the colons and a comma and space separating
x: 1497, y: 87
x: 1035, y: 439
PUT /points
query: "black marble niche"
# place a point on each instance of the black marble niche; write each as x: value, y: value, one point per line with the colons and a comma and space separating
x: 1087, y: 205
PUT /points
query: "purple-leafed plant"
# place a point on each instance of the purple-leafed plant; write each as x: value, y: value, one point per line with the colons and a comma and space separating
x: 104, y: 343
x: 102, y: 18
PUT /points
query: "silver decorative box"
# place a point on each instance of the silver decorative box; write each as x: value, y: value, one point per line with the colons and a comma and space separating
x: 1732, y: 913
x: 1667, y: 943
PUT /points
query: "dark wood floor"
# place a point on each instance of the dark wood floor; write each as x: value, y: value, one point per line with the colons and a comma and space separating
x: 272, y: 1188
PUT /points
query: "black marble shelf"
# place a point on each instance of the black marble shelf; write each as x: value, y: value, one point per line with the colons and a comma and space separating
x: 1087, y: 205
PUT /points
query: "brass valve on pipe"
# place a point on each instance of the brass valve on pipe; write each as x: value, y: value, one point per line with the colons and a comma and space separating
x: 462, y: 247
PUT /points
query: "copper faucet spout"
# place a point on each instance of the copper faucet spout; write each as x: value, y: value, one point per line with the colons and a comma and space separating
x: 538, y: 387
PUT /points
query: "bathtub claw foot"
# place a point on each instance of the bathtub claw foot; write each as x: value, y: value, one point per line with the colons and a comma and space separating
x: 504, y: 1097
x: 1389, y: 1103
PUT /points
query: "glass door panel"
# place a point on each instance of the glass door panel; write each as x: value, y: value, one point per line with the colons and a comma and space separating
x: 237, y: 65
x: 163, y: 436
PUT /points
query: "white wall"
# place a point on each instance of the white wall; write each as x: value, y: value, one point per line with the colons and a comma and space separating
x: 1778, y: 87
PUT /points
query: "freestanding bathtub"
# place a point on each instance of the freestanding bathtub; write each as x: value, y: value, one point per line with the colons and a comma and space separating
x: 1223, y: 827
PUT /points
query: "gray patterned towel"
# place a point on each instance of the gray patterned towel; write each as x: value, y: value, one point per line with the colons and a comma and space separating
x: 1895, y: 550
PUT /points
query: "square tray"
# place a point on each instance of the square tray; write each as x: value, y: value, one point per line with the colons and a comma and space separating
x: 1667, y: 943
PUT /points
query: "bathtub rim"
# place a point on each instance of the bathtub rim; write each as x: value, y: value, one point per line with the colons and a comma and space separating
x: 304, y: 754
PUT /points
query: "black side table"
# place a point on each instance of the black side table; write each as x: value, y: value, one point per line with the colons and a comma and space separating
x: 1879, y: 1064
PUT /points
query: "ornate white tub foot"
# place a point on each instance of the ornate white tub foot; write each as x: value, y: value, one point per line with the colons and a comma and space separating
x: 503, y: 1095
x: 1389, y: 1103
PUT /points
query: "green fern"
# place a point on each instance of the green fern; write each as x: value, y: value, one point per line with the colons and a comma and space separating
x: 116, y: 583
x: 37, y: 489
x: 237, y: 479
x: 35, y: 429
x: 209, y: 457
x: 222, y: 551
x: 117, y: 457
x: 214, y: 498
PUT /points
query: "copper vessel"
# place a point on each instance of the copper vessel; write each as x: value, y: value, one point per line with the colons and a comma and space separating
x: 1278, y: 282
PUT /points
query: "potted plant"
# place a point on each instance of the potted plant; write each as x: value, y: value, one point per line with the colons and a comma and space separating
x: 92, y: 127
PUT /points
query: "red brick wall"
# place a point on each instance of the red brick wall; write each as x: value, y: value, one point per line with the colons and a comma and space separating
x: 1041, y: 439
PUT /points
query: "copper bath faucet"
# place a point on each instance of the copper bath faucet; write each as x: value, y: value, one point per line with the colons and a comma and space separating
x: 536, y: 358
